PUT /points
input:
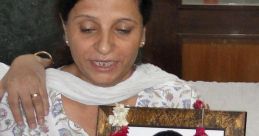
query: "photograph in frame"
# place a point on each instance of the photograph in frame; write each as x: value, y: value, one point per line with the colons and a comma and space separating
x: 185, y: 121
x: 151, y: 131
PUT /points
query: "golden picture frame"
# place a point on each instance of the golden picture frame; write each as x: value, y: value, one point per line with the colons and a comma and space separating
x: 232, y: 123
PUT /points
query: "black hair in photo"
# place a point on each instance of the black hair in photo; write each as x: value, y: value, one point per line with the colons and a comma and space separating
x: 168, y: 133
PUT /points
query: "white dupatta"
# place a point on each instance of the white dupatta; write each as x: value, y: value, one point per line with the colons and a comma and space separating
x: 145, y: 76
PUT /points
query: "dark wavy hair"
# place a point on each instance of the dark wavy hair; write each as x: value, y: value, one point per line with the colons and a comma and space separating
x: 63, y: 55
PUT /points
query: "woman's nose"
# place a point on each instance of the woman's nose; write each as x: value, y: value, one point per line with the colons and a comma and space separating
x: 105, y: 44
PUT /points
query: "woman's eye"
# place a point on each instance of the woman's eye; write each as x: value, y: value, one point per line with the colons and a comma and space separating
x: 123, y: 31
x: 88, y: 30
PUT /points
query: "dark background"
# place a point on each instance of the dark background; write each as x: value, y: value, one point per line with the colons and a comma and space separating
x: 26, y: 26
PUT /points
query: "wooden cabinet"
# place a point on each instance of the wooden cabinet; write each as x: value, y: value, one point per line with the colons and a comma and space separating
x: 220, y: 59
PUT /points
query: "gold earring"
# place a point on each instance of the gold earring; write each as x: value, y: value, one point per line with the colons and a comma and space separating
x: 66, y: 40
x: 142, y: 44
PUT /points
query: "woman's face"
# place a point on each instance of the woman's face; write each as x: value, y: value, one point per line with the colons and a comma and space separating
x: 104, y: 37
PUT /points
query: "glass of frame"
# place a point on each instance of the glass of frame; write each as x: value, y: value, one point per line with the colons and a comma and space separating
x: 149, y: 121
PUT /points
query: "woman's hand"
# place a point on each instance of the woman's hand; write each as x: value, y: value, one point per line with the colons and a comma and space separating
x: 26, y: 77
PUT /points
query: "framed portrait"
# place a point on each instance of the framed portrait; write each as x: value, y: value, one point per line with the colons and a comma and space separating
x: 150, y: 121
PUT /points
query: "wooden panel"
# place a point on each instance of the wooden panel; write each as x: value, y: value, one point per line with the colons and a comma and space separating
x: 161, y: 48
x: 220, y: 60
x: 219, y: 42
x: 223, y: 20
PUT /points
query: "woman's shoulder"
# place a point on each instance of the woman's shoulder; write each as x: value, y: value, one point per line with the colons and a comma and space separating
x: 170, y: 94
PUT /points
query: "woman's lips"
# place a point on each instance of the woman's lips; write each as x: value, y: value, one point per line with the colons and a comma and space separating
x: 103, y: 66
x: 103, y: 63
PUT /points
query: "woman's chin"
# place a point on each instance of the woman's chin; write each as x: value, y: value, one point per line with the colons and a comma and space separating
x: 105, y: 83
x: 107, y: 78
x: 102, y: 80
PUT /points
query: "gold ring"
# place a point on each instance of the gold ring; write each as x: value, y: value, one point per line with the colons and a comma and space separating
x: 35, y: 95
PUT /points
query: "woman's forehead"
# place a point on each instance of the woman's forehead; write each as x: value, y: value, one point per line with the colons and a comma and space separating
x: 104, y: 8
x: 109, y: 3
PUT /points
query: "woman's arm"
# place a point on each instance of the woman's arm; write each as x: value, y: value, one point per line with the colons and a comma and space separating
x: 25, y: 77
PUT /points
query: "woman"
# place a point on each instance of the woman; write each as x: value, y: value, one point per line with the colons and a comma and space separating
x: 104, y: 38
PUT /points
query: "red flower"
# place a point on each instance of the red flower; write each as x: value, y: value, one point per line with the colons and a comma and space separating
x: 198, y: 104
x: 122, y: 132
x: 200, y: 131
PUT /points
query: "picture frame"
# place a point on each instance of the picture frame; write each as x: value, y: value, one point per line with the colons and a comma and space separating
x: 232, y: 123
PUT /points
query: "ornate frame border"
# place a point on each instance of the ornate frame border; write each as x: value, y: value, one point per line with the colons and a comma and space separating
x: 232, y: 122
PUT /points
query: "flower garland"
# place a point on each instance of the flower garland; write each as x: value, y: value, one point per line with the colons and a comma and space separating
x: 200, y: 130
x: 119, y: 121
x: 120, y: 124
x: 198, y: 104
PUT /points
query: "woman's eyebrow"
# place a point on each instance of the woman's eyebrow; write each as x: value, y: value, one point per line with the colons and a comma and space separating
x: 127, y: 19
x: 95, y: 18
x: 84, y: 16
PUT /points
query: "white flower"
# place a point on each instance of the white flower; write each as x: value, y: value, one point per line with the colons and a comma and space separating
x: 119, y: 117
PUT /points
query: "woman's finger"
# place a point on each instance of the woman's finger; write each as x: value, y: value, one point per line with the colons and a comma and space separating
x: 38, y: 106
x: 1, y: 90
x: 14, y: 104
x: 44, y: 97
x: 28, y: 108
